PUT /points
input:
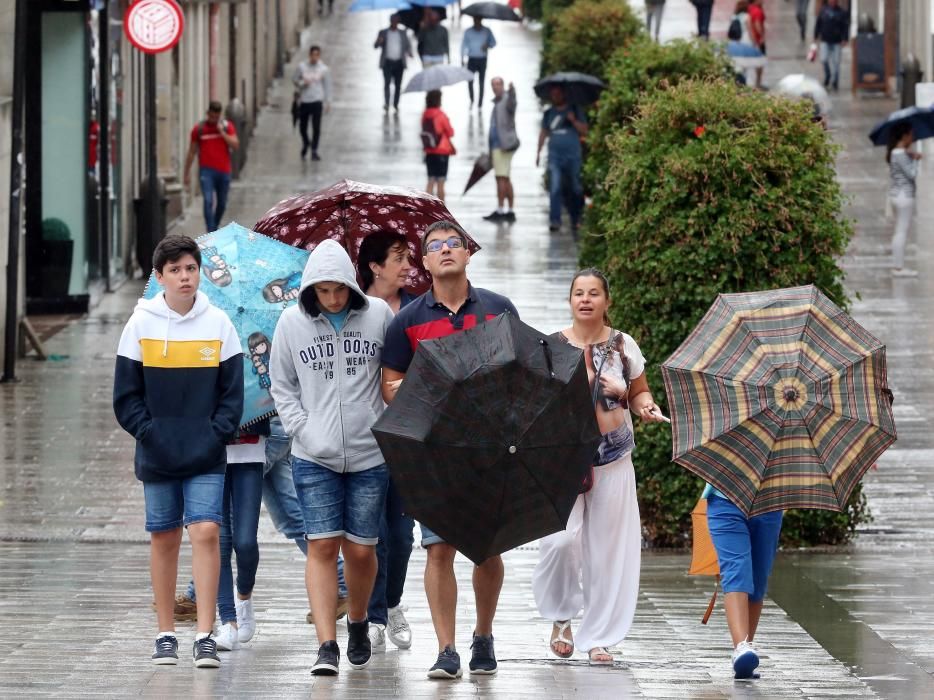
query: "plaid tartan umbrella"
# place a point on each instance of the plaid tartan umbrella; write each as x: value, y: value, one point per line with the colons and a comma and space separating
x: 779, y: 399
x: 490, y: 436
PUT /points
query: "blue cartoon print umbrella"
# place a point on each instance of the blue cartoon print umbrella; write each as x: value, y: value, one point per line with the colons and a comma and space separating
x: 252, y: 278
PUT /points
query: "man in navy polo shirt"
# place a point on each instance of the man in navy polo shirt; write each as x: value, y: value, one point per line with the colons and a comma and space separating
x: 450, y: 306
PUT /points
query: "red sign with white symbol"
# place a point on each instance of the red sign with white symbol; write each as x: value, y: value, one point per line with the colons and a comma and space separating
x: 154, y: 26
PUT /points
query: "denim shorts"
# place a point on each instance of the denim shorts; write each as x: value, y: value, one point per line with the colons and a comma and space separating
x: 334, y: 504
x: 171, y: 504
x: 429, y: 537
x: 745, y: 547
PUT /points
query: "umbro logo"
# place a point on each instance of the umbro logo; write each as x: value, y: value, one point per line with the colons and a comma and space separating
x: 207, y: 354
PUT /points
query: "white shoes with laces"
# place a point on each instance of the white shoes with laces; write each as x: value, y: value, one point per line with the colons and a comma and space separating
x: 399, y: 632
x: 246, y: 620
x: 377, y: 638
x: 227, y: 638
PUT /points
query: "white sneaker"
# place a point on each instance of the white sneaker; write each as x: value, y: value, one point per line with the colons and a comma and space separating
x: 745, y: 660
x: 399, y: 632
x: 904, y: 272
x: 246, y: 620
x: 227, y: 638
x: 377, y: 638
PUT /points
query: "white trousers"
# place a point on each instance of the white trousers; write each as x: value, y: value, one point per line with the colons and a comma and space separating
x: 904, y: 207
x: 594, y: 564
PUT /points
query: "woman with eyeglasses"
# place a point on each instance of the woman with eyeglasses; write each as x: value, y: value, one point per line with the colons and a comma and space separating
x: 594, y: 563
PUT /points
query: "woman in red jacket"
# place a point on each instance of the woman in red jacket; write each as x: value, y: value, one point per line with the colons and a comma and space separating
x: 436, y: 141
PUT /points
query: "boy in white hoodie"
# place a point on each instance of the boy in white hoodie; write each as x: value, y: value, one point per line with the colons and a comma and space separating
x: 325, y: 371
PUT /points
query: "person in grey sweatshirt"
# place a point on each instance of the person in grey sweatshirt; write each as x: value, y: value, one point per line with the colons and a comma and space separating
x: 313, y: 80
x: 325, y: 371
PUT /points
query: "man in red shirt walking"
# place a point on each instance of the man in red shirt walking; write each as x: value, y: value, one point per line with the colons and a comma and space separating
x: 212, y: 139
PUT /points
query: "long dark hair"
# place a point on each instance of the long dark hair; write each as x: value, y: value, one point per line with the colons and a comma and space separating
x: 375, y: 249
x: 593, y: 272
x: 898, y: 132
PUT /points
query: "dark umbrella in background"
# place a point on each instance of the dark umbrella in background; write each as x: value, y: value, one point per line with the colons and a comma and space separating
x: 921, y: 120
x: 349, y: 211
x: 492, y: 10
x: 490, y: 436
x: 481, y: 167
x: 412, y: 17
x: 579, y: 88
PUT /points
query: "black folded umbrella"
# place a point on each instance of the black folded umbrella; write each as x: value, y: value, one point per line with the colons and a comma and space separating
x: 579, y: 88
x: 492, y: 10
x: 491, y: 435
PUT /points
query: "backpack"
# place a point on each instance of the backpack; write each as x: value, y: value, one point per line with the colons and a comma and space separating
x: 735, y: 32
x: 430, y: 137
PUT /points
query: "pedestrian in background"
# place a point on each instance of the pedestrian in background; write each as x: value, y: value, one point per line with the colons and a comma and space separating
x: 212, y: 139
x: 313, y: 79
x: 383, y: 264
x: 757, y: 33
x: 654, y: 9
x: 903, y: 170
x: 433, y: 46
x: 801, y: 15
x: 503, y: 144
x: 394, y: 46
x: 475, y: 44
x: 832, y: 31
x: 436, y: 143
x: 178, y: 390
x: 704, y: 10
x: 593, y: 564
x: 563, y: 126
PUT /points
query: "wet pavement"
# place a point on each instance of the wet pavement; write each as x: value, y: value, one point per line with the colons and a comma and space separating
x: 74, y: 586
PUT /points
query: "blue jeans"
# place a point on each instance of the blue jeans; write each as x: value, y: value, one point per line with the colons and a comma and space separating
x: 704, y: 11
x: 341, y: 504
x: 171, y: 504
x: 392, y: 553
x: 830, y: 56
x: 214, y: 187
x: 243, y: 490
x: 564, y: 185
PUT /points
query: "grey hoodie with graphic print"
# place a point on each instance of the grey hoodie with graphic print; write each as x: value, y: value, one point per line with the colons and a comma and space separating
x: 326, y: 384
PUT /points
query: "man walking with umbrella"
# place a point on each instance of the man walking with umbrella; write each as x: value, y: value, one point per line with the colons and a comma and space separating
x: 451, y: 305
x: 563, y: 126
x: 433, y: 46
x: 394, y: 46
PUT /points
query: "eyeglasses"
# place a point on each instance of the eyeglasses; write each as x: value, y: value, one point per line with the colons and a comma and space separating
x: 437, y: 244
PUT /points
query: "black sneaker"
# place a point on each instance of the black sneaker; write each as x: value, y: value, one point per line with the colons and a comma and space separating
x: 315, y: 156
x: 494, y: 216
x: 554, y: 227
x: 483, y: 659
x: 510, y: 216
x: 329, y: 655
x: 359, y: 650
x: 166, y: 652
x: 204, y: 653
x: 447, y: 666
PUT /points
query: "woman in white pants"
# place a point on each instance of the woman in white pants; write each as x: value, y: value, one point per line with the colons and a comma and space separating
x: 903, y: 169
x: 594, y: 564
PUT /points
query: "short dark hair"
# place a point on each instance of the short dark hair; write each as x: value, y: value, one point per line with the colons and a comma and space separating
x: 375, y: 248
x: 444, y: 225
x: 433, y: 98
x: 314, y: 47
x: 215, y: 106
x: 172, y: 248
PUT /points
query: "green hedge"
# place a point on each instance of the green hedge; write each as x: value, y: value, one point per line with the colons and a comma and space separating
x: 715, y: 188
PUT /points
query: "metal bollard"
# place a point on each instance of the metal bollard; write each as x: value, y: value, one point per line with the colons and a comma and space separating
x: 911, y: 76
x: 236, y: 113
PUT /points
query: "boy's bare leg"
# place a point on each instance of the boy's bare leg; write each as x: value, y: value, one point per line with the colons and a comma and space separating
x: 441, y: 590
x: 360, y: 572
x: 321, y: 584
x: 205, y: 567
x: 487, y: 583
x: 163, y: 570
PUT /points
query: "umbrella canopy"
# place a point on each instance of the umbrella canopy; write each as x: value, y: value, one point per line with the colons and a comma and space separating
x: 779, y: 399
x: 369, y: 5
x: 579, y: 88
x: 492, y: 10
x: 481, y: 167
x: 921, y: 120
x: 251, y: 278
x: 804, y: 87
x: 412, y: 17
x: 437, y: 77
x: 490, y: 436
x: 349, y: 211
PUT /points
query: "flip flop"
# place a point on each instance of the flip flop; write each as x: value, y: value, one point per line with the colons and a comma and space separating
x: 561, y: 633
x: 600, y: 650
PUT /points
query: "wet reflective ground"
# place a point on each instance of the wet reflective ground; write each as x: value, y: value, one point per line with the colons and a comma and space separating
x: 74, y: 591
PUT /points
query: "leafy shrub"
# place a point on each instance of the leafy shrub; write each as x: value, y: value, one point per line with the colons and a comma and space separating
x: 715, y: 188
x: 583, y: 36
x: 640, y: 67
x: 532, y: 9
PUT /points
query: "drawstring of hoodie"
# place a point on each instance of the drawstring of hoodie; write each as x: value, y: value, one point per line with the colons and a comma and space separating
x: 168, y: 322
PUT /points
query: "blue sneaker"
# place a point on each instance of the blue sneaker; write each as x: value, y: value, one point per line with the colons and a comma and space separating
x: 448, y: 665
x: 745, y: 661
x: 483, y: 659
x: 166, y: 651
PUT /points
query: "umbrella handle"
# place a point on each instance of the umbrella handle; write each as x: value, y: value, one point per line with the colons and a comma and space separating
x: 547, y: 350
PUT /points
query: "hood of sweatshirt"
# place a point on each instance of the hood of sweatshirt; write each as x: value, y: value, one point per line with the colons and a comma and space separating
x: 158, y: 307
x: 329, y: 262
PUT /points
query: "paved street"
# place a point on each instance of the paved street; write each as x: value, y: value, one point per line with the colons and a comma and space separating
x: 74, y: 585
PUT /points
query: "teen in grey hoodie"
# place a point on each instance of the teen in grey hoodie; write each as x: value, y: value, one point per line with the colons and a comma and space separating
x: 325, y: 371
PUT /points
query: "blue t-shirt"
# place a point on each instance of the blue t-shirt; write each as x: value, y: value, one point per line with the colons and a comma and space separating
x: 339, y: 319
x: 562, y: 136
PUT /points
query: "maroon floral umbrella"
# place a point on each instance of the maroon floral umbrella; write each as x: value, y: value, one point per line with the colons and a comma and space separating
x: 349, y: 211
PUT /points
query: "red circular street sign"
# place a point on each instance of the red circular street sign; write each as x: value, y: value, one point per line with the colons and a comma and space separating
x: 154, y: 26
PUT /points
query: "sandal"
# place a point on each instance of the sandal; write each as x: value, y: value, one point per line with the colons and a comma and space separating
x: 561, y: 634
x: 600, y: 651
